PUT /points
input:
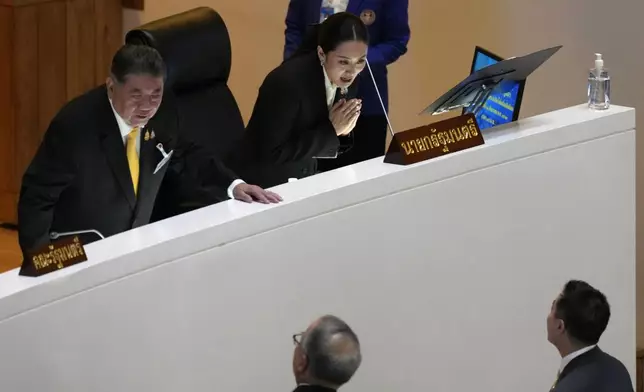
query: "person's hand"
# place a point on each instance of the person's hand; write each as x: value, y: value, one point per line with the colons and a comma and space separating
x: 344, y: 115
x: 353, y: 122
x: 249, y: 193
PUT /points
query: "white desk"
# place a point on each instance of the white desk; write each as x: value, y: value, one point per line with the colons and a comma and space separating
x: 438, y: 266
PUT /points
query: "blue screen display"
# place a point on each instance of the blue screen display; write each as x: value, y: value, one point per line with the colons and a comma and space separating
x: 499, y: 107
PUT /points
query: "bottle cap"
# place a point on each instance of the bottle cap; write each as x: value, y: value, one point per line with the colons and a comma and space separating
x: 599, y: 62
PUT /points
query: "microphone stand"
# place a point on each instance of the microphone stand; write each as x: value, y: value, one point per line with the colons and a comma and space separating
x: 55, y: 235
x: 391, y: 129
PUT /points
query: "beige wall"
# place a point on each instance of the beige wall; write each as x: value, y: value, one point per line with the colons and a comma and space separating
x: 443, y: 36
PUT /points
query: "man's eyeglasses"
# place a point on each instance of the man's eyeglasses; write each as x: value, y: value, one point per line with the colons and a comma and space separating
x: 297, y: 338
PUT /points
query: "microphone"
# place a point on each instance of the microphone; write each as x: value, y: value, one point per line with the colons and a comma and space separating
x: 391, y: 129
x: 55, y: 235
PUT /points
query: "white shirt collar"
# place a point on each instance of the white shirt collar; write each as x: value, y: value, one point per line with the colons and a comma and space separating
x: 123, y: 126
x: 568, y: 358
x: 327, y: 81
x: 330, y: 89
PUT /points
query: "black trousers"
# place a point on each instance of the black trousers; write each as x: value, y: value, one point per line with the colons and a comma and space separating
x: 369, y: 138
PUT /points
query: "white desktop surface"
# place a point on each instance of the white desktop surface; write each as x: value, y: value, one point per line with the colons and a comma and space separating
x: 229, y: 221
x: 434, y: 265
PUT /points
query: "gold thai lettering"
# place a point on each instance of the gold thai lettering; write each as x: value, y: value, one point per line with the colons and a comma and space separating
x: 37, y: 262
x: 407, y: 148
x: 465, y: 131
x: 456, y: 134
x: 434, y: 140
x: 441, y: 138
x: 58, y: 256
x: 420, y: 144
x: 427, y: 142
x: 414, y: 145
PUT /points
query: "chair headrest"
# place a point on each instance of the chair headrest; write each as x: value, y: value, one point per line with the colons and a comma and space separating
x: 195, y: 46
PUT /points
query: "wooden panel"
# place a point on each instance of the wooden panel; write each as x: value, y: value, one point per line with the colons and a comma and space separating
x: 25, y: 66
x: 7, y: 140
x: 134, y: 4
x: 52, y: 60
x: 81, y: 47
x: 8, y: 207
x: 109, y: 35
x: 56, y: 50
x: 22, y: 3
x: 10, y: 255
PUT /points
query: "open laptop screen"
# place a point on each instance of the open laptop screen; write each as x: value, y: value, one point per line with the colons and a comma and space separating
x: 500, y: 108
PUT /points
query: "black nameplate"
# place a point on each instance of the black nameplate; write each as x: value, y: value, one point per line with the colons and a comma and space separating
x: 53, y: 257
x: 434, y: 140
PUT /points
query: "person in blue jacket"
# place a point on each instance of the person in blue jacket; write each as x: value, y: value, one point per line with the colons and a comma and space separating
x: 388, y: 24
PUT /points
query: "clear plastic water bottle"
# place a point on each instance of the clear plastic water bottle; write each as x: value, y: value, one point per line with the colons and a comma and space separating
x: 598, y: 85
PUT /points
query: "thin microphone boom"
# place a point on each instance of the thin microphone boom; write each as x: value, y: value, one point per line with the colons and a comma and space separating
x: 54, y: 235
x: 382, y: 104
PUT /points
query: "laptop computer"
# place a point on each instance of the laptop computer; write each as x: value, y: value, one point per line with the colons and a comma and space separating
x: 500, y: 108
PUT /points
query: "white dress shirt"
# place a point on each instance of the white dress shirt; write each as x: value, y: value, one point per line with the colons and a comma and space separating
x: 330, y: 89
x: 126, y: 129
x: 568, y: 358
x: 337, y: 5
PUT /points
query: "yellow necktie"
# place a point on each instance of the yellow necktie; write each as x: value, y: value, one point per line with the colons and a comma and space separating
x: 133, y: 157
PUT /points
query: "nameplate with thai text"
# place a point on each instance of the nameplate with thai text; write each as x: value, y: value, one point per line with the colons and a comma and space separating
x: 434, y: 140
x: 53, y: 257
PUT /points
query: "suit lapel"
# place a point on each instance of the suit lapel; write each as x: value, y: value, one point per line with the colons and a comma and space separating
x: 112, y: 144
x: 317, y: 83
x: 351, y: 93
x: 148, y: 158
x: 338, y: 95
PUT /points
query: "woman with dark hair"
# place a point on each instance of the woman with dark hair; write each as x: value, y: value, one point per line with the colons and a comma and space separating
x: 388, y: 25
x: 306, y: 108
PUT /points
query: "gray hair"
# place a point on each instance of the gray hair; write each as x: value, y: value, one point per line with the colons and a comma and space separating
x: 333, y: 350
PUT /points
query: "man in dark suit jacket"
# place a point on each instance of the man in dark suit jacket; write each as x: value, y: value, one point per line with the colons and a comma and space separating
x: 101, y: 162
x: 577, y: 319
x: 389, y: 33
x: 326, y: 355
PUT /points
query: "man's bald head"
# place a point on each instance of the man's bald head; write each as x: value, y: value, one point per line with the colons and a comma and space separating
x: 332, y: 352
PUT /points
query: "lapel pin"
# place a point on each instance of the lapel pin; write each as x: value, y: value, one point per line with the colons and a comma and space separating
x: 152, y: 135
x: 147, y: 136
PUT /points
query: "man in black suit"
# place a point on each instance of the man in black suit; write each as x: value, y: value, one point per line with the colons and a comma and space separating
x: 101, y: 161
x: 577, y: 319
x: 326, y: 355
